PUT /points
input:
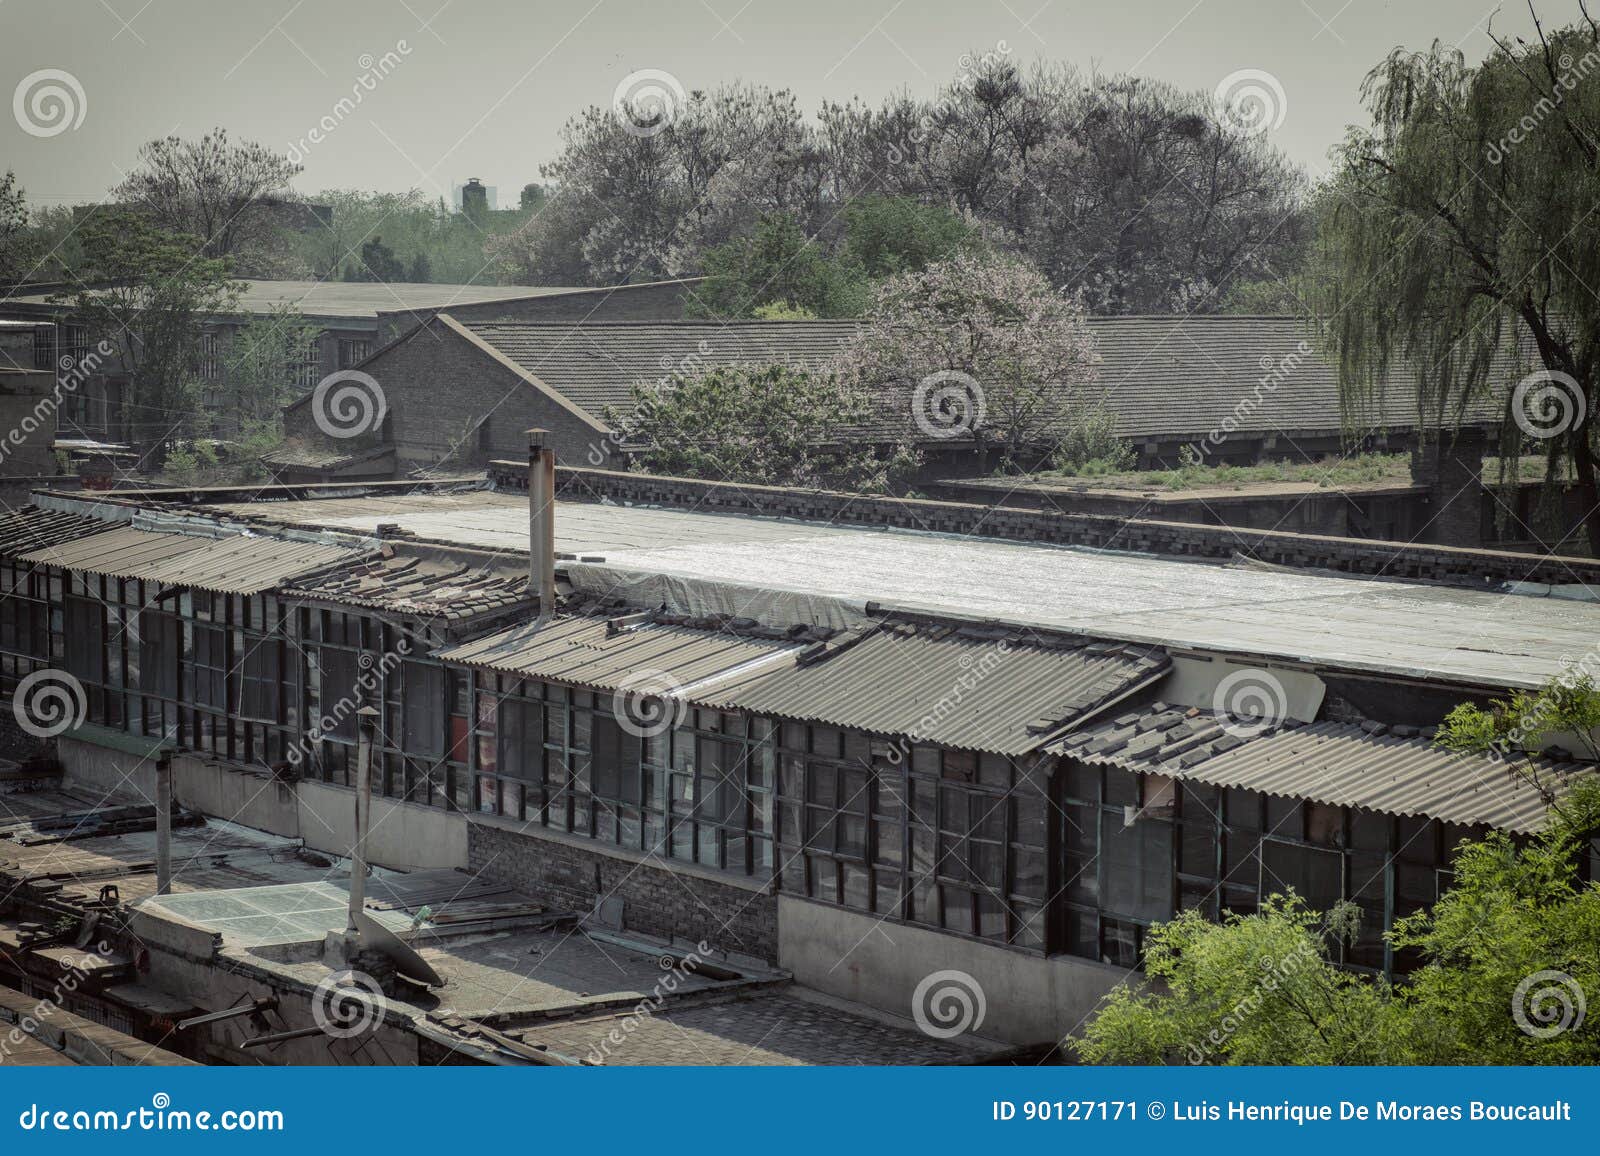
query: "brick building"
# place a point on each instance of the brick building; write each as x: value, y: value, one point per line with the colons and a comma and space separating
x: 351, y: 320
x: 802, y: 741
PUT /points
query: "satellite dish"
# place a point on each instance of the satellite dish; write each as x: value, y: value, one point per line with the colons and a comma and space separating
x: 376, y: 937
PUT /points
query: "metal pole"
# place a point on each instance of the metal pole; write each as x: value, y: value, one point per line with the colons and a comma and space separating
x: 542, y: 520
x: 366, y: 728
x: 164, y: 823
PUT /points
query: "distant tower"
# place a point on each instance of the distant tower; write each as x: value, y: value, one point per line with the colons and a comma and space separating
x: 474, y: 198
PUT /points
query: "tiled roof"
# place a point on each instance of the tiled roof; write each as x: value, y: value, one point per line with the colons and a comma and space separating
x: 1396, y: 770
x: 594, y: 364
x: 1176, y: 376
x: 241, y: 564
x: 973, y: 688
x: 430, y: 584
x: 32, y: 528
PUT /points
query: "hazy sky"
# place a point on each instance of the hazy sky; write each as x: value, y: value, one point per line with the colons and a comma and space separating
x: 481, y: 87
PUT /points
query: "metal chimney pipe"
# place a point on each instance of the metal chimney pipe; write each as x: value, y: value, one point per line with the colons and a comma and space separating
x: 366, y: 731
x: 542, y: 520
x: 164, y: 823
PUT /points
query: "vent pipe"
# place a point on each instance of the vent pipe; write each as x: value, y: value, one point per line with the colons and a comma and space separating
x: 542, y: 520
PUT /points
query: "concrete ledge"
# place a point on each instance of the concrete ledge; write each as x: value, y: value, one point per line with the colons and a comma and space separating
x: 1452, y: 565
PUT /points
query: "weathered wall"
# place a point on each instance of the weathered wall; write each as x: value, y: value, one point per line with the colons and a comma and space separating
x: 663, y: 901
x: 1029, y: 999
x: 1457, y: 566
x: 438, y: 386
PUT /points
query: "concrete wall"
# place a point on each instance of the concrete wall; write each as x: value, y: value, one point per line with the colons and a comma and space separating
x: 404, y: 836
x: 1402, y: 560
x: 1028, y: 999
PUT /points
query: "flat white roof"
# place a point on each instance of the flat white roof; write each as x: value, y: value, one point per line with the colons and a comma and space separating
x: 1381, y: 627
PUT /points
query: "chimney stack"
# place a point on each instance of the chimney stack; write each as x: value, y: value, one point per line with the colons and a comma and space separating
x: 542, y: 520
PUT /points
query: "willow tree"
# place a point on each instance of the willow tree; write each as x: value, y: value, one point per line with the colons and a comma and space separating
x: 1462, y: 226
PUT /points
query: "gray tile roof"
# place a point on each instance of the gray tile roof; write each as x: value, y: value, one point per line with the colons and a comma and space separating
x: 594, y: 364
x: 29, y: 528
x: 1396, y: 770
x: 1174, y: 376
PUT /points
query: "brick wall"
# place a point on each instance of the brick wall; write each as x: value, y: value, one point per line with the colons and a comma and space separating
x: 1456, y: 566
x: 437, y: 386
x: 657, y: 901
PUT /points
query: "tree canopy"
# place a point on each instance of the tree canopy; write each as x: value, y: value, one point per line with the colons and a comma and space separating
x: 776, y: 425
x: 1456, y: 238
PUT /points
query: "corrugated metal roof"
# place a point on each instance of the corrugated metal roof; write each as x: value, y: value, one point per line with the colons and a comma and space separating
x: 1344, y: 765
x: 973, y: 689
x: 1399, y: 771
x: 659, y: 658
x: 242, y: 564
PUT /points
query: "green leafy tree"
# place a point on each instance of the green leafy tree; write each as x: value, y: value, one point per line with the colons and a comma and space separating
x: 1459, y: 223
x: 149, y: 292
x: 378, y: 263
x: 889, y: 235
x: 777, y: 425
x: 17, y: 241
x: 777, y: 263
x: 1508, y: 954
x: 263, y: 363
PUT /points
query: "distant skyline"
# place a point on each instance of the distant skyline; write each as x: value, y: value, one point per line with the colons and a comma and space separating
x: 452, y: 89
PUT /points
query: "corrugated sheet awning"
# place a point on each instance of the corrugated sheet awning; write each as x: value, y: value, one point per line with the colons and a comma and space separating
x: 584, y: 651
x: 240, y: 564
x: 974, y: 689
x: 1335, y: 763
x: 1345, y: 766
